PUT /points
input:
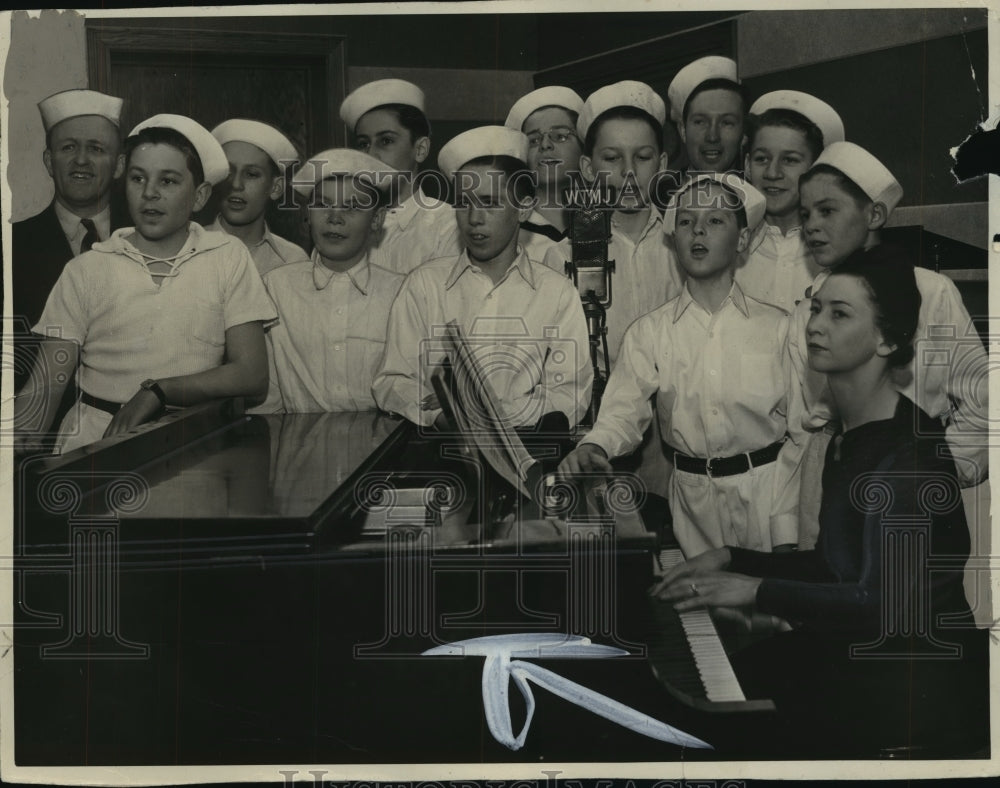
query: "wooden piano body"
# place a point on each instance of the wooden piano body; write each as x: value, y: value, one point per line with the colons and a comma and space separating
x: 224, y: 588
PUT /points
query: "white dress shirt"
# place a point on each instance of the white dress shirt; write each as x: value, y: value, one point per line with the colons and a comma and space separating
x: 722, y: 382
x: 418, y: 230
x: 329, y: 337
x: 779, y: 267
x: 528, y: 333
x: 270, y: 252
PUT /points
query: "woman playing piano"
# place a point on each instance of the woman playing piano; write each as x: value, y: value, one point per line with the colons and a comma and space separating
x: 883, y: 651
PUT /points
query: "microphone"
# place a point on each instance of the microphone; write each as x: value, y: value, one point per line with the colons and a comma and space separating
x: 590, y: 268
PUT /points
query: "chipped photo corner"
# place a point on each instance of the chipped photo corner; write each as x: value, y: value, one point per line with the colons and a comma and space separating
x: 513, y: 393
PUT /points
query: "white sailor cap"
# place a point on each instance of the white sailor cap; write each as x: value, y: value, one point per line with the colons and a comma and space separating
x: 627, y: 93
x: 692, y: 75
x: 482, y: 141
x: 551, y: 96
x: 341, y: 162
x: 810, y: 107
x: 213, y: 159
x: 275, y: 144
x: 752, y: 201
x: 871, y: 175
x: 73, y: 103
x: 375, y: 94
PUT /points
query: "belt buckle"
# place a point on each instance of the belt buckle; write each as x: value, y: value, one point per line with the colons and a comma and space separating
x: 708, y: 466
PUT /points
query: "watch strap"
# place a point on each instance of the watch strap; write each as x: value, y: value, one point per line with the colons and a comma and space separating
x: 152, y: 385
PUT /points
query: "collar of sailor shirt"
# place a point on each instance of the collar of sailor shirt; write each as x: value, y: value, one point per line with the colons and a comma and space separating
x: 199, y: 240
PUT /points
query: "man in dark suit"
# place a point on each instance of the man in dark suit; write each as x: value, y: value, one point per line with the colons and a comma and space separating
x: 83, y: 157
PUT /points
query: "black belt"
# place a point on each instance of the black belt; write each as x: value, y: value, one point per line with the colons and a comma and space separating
x: 101, y: 404
x: 724, y: 466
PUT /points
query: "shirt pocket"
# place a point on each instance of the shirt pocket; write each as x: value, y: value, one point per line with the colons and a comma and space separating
x: 207, y: 324
x: 363, y: 362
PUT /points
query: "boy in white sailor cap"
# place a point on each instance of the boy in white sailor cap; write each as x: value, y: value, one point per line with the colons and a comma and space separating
x: 258, y: 155
x: 621, y: 126
x: 717, y: 361
x: 333, y: 309
x: 548, y: 117
x: 507, y: 305
x: 847, y: 197
x: 162, y: 314
x: 386, y: 119
x: 787, y: 131
x: 83, y: 157
x: 707, y: 104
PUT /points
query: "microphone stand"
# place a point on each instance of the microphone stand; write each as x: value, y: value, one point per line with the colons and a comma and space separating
x: 592, y: 274
x: 597, y: 328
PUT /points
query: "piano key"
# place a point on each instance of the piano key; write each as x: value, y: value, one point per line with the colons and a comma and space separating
x: 695, y: 661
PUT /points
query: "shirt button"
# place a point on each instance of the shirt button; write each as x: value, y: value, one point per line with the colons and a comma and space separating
x: 337, y: 347
x: 711, y: 372
x: 340, y: 311
x: 715, y: 411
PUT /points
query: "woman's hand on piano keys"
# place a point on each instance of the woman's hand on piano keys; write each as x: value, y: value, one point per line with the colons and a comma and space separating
x: 712, y: 589
x: 709, y: 561
x: 701, y: 582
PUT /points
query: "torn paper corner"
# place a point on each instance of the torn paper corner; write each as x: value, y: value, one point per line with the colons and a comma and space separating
x: 979, y: 154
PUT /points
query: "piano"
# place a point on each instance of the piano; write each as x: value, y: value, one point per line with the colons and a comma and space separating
x: 219, y: 587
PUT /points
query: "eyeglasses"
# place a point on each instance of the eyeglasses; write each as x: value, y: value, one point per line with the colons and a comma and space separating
x: 558, y: 136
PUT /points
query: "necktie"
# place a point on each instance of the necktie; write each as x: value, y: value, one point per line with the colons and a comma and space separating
x: 91, y: 237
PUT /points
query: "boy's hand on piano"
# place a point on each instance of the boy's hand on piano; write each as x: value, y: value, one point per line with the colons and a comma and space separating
x: 138, y: 410
x: 712, y: 589
x: 709, y: 561
x: 430, y: 402
x: 586, y: 458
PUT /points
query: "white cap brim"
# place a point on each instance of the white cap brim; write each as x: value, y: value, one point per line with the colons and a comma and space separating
x: 692, y: 75
x: 75, y: 103
x: 751, y: 200
x: 213, y: 159
x: 479, y: 142
x: 275, y: 144
x: 377, y: 94
x: 870, y: 175
x: 341, y: 162
x: 813, y: 109
x: 551, y: 96
x: 627, y: 93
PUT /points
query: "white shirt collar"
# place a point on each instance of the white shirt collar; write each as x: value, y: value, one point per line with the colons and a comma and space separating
x: 72, y: 228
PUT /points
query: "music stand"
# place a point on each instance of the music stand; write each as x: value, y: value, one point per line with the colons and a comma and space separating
x: 468, y: 397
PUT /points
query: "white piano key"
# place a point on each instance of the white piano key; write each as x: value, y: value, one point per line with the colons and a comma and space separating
x: 710, y: 657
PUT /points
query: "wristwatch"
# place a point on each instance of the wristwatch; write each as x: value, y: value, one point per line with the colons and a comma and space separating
x: 152, y: 385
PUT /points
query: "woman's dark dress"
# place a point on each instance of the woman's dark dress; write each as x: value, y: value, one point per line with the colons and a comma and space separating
x: 884, y: 653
